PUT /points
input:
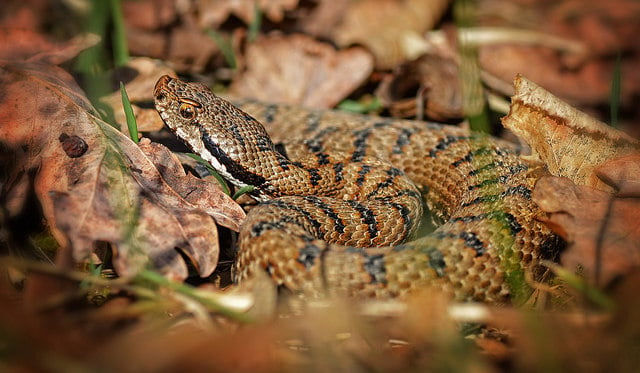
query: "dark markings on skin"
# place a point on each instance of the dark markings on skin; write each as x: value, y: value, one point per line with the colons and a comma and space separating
x: 330, y: 212
x: 444, y: 144
x: 314, y: 176
x: 506, y: 218
x: 270, y: 113
x: 264, y: 143
x: 514, y: 226
x: 237, y: 133
x: 360, y: 144
x: 280, y: 148
x: 234, y: 168
x: 388, y: 182
x: 516, y: 169
x: 313, y: 120
x: 470, y: 155
x: 323, y: 158
x: 308, y: 254
x: 368, y: 217
x: 322, y: 135
x: 496, y: 180
x: 404, y: 215
x: 337, y: 169
x: 284, y: 163
x: 472, y: 241
x: 314, y: 145
x: 375, y: 267
x: 486, y: 167
x: 302, y: 212
x: 436, y: 259
x: 517, y: 190
x: 382, y: 123
x: 362, y: 173
x: 260, y: 227
x: 403, y: 140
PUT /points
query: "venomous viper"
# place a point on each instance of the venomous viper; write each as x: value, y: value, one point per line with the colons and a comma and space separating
x: 336, y: 208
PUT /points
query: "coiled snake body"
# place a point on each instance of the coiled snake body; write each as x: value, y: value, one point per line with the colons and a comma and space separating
x: 336, y: 208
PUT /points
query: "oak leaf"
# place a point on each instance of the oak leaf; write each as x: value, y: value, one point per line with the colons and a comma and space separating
x: 95, y: 184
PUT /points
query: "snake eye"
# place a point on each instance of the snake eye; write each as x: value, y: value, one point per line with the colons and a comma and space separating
x: 187, y: 111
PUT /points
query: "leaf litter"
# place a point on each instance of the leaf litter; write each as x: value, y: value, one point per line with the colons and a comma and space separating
x: 423, y: 333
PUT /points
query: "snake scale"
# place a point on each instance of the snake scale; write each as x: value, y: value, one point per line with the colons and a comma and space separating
x: 340, y: 199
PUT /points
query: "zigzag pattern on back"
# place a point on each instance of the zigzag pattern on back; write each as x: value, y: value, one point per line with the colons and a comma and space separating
x: 345, y: 192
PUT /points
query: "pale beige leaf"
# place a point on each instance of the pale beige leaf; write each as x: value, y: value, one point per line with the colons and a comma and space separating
x: 569, y: 142
x: 297, y: 69
x: 389, y: 29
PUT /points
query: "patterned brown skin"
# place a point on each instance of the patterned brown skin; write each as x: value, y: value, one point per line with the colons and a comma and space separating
x: 335, y: 210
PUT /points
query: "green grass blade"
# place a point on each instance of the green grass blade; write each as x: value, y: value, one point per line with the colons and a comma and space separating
x: 256, y: 23
x: 243, y: 190
x: 225, y: 47
x: 132, y: 125
x: 220, y: 179
x: 120, y: 49
x: 473, y: 99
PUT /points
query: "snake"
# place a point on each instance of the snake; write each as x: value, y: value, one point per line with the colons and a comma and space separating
x: 341, y: 197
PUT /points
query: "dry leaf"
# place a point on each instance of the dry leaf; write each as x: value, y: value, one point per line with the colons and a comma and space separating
x: 602, y: 230
x: 18, y: 44
x: 186, y: 48
x: 566, y: 140
x: 149, y: 14
x: 95, y: 184
x: 297, y: 69
x: 427, y: 85
x: 213, y: 13
x: 389, y: 28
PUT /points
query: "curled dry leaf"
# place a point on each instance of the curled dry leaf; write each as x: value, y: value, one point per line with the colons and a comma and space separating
x: 428, y: 85
x: 95, y: 184
x: 570, y: 143
x: 601, y: 229
x: 389, y: 28
x: 297, y: 69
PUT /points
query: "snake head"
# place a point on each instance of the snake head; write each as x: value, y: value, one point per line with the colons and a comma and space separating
x: 228, y: 138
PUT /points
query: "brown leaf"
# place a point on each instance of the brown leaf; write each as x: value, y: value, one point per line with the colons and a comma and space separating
x: 149, y: 14
x: 297, y: 69
x: 204, y: 194
x: 388, y: 28
x: 568, y: 141
x: 213, y: 13
x: 21, y: 45
x: 602, y: 230
x: 95, y: 184
x: 428, y: 85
